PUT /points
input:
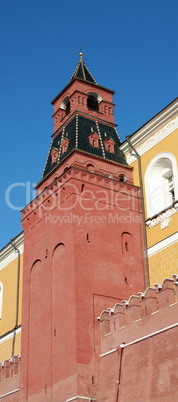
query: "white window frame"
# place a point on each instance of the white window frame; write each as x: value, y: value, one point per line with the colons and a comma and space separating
x: 148, y: 183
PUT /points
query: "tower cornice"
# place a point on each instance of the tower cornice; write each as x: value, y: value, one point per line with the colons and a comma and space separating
x: 80, y: 79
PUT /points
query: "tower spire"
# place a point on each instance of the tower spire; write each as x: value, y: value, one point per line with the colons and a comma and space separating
x: 82, y: 72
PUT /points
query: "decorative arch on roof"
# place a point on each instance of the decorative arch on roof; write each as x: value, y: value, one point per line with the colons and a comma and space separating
x: 94, y: 139
x: 109, y: 144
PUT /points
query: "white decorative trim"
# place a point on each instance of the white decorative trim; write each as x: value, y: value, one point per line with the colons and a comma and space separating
x: 82, y: 63
x: 81, y: 397
x: 154, y: 139
x: 123, y: 346
x: 117, y: 133
x: 60, y: 148
x: 156, y: 124
x: 160, y: 218
x: 163, y: 244
x: 164, y: 224
x: 83, y: 71
x: 1, y: 298
x: 11, y: 257
x: 102, y: 146
x: 159, y: 135
x: 50, y: 147
x: 89, y: 72
x: 9, y: 393
x: 8, y: 254
x: 76, y: 138
x: 10, y: 335
x: 108, y: 353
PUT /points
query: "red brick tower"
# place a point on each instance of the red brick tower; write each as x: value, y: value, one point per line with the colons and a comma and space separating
x: 83, y: 245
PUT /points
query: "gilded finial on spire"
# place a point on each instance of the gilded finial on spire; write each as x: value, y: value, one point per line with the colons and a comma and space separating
x: 81, y: 55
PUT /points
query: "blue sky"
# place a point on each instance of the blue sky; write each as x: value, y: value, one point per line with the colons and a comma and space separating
x: 129, y: 46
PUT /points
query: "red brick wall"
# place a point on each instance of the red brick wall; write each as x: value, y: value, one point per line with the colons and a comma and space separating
x: 69, y: 285
x: 146, y: 328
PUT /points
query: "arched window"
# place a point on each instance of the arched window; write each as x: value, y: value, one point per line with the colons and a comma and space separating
x: 160, y: 183
x: 90, y: 167
x: 65, y: 169
x: 122, y: 178
x: 93, y: 101
x: 1, y: 299
x: 127, y: 243
x: 66, y: 105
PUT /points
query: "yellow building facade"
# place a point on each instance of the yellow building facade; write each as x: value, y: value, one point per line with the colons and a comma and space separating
x: 11, y: 271
x: 154, y: 147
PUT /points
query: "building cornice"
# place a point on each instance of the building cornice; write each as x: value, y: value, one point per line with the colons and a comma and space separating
x: 83, y: 153
x: 9, y: 249
x: 9, y: 335
x: 86, y: 82
x: 163, y: 244
x: 153, y: 131
x: 162, y: 217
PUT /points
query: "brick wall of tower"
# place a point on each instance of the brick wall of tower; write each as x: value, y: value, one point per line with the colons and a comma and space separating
x: 71, y: 272
x: 88, y: 163
x: 77, y: 94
